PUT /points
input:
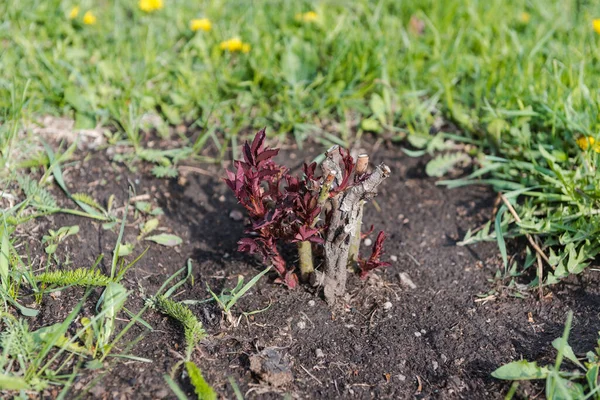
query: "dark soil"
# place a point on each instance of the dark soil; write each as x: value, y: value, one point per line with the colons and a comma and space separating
x: 389, y: 341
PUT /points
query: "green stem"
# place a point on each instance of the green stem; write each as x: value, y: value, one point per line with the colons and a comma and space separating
x: 52, y: 210
x: 306, y: 260
x: 305, y: 248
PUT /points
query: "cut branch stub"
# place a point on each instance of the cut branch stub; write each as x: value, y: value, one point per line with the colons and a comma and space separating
x: 346, y: 208
x: 362, y: 163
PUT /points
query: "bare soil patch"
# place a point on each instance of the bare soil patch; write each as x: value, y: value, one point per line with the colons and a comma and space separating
x: 431, y: 340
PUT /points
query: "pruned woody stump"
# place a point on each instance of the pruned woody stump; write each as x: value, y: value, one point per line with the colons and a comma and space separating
x: 312, y: 211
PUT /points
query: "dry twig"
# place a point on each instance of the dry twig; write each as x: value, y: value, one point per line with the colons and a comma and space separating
x: 528, y: 236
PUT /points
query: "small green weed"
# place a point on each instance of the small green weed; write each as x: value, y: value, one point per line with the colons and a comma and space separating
x: 565, y: 384
x: 229, y: 297
x: 55, y: 237
x: 193, y: 330
x: 193, y: 333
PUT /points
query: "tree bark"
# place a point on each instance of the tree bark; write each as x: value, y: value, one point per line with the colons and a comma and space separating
x: 346, y: 208
x: 355, y: 238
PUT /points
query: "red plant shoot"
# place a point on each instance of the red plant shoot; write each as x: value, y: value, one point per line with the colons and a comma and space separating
x: 374, y: 261
x: 286, y: 209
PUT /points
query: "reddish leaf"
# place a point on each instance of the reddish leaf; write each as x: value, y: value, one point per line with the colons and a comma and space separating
x: 348, y: 167
x: 248, y: 245
x: 259, y: 139
x: 266, y: 155
x: 367, y: 233
x: 373, y: 261
x: 306, y: 233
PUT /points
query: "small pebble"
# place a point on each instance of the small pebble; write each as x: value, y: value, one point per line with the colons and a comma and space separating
x: 301, y: 324
x: 423, y: 331
x: 394, y: 258
x: 387, y: 305
x: 311, y: 303
x: 368, y: 242
x: 418, y: 334
x: 435, y: 365
x: 401, y: 377
x: 319, y: 353
x: 236, y: 215
x: 222, y: 199
x: 161, y: 394
x: 406, y: 281
x: 97, y: 391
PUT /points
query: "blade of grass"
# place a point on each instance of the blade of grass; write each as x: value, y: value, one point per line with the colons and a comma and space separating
x: 248, y: 286
x: 236, y: 388
x: 175, y: 388
x: 500, y: 236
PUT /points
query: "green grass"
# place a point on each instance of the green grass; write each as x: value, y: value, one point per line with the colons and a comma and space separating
x: 297, y: 75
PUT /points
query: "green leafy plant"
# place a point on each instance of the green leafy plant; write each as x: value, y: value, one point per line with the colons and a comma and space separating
x: 192, y: 327
x: 13, y: 272
x: 444, y: 163
x: 193, y: 333
x: 563, y: 384
x: 37, y: 195
x: 166, y: 239
x: 75, y: 277
x: 550, y: 205
x: 44, y: 203
x: 152, y: 224
x: 202, y: 389
x: 55, y: 237
x: 25, y: 357
x: 229, y: 297
x: 99, y: 330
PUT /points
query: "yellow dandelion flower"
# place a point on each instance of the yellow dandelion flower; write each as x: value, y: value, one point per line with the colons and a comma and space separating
x: 525, y: 17
x: 74, y: 12
x: 309, y: 16
x: 233, y: 44
x: 150, y: 5
x: 89, y: 18
x: 596, y: 25
x: 245, y: 48
x: 585, y: 142
x: 145, y: 5
x: 201, y: 24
